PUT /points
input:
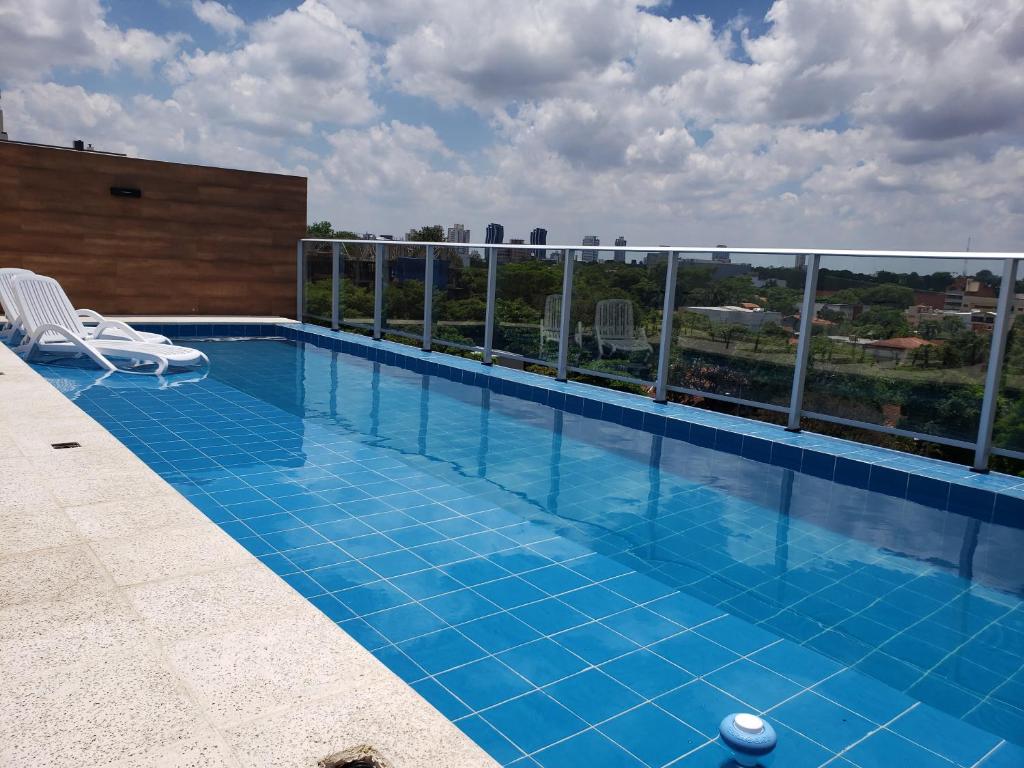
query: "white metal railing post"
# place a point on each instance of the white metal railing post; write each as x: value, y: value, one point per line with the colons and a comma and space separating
x: 492, y: 285
x: 667, y: 316
x: 565, y: 320
x: 428, y: 298
x: 803, y: 350
x: 378, y: 292
x: 994, y: 373
x: 300, y: 281
x: 335, y: 270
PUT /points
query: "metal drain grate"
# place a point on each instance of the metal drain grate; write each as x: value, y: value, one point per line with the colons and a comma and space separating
x: 59, y: 446
x: 359, y: 757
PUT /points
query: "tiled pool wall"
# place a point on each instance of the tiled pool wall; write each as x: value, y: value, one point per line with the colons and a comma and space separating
x: 990, y: 498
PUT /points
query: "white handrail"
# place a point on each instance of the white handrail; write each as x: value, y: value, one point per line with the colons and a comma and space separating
x: 680, y: 249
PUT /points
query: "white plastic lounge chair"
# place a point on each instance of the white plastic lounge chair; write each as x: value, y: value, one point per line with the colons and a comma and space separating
x: 103, y: 328
x: 51, y: 325
x: 11, y: 330
x: 551, y: 323
x: 614, y: 328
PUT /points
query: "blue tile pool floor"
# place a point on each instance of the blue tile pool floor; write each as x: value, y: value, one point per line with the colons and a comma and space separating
x: 573, y: 592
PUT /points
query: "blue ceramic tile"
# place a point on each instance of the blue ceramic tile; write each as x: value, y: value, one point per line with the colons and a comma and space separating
x: 372, y: 597
x: 694, y: 653
x: 646, y: 673
x: 589, y: 748
x: 700, y: 706
x: 542, y: 661
x: 441, y: 699
x: 939, y: 732
x: 496, y: 745
x: 593, y: 695
x: 510, y: 592
x: 549, y: 616
x: 865, y: 696
x: 460, y: 606
x: 404, y: 622
x: 441, y: 650
x: 1007, y: 756
x: 595, y: 643
x: 534, y: 721
x: 652, y: 735
x: 642, y: 626
x: 400, y: 664
x: 735, y: 634
x: 797, y: 663
x: 796, y: 751
x: 596, y: 601
x: 428, y: 583
x: 498, y: 632
x: 753, y: 684
x: 822, y: 720
x: 885, y: 749
x: 484, y: 683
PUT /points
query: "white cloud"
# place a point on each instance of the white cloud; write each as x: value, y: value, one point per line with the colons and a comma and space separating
x: 219, y: 16
x: 40, y: 36
x: 302, y: 67
x: 896, y: 123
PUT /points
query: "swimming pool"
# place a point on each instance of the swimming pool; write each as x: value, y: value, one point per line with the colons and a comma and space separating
x: 572, y: 591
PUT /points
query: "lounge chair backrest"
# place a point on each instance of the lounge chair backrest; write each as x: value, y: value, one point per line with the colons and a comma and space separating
x: 613, y: 319
x: 41, y: 300
x: 7, y: 277
x: 552, y: 313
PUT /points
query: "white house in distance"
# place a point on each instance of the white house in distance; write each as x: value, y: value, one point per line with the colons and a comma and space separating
x: 748, y: 315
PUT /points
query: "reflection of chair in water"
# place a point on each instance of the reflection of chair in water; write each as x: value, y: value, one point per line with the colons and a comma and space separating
x: 551, y: 324
x: 615, y: 330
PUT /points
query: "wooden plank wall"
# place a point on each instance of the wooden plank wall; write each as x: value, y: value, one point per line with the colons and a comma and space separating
x: 200, y: 240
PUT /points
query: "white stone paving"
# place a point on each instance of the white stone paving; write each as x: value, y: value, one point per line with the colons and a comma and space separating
x: 134, y: 632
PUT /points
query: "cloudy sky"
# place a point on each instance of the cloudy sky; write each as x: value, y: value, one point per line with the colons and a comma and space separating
x: 840, y: 123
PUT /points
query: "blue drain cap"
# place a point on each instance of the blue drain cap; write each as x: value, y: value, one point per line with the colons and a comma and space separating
x: 748, y: 736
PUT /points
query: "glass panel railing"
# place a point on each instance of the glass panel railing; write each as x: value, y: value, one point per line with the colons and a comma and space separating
x: 460, y: 298
x: 733, y: 329
x: 356, y: 290
x: 617, y: 301
x: 404, y: 278
x: 317, y: 279
x: 1008, y: 434
x: 528, y: 305
x: 900, y: 343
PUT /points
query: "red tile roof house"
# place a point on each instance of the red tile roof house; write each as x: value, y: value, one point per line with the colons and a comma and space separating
x: 896, y: 349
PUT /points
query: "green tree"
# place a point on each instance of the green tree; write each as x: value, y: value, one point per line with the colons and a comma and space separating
x: 432, y: 233
x: 326, y: 230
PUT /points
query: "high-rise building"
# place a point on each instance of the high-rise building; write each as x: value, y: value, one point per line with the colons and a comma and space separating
x: 722, y: 257
x: 800, y: 261
x: 458, y: 234
x: 512, y: 255
x: 495, y: 233
x: 539, y: 236
x: 3, y: 134
x: 590, y: 256
x: 620, y: 256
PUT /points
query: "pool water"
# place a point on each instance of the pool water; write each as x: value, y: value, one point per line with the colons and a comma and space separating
x: 576, y: 592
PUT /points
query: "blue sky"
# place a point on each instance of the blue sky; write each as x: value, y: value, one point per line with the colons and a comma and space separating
x: 897, y: 123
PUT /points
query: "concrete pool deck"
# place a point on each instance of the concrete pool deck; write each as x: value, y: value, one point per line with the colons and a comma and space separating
x: 134, y: 632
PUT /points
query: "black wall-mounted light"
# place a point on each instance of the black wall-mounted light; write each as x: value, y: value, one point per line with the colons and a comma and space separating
x: 125, y: 192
